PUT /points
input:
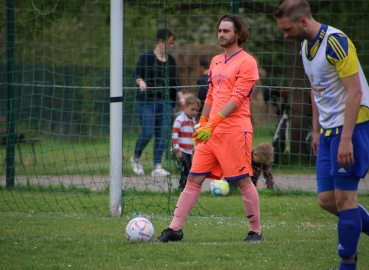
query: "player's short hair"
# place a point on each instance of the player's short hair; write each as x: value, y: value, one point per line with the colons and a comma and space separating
x: 266, y: 152
x: 241, y: 27
x: 191, y: 99
x: 294, y: 10
x: 164, y: 34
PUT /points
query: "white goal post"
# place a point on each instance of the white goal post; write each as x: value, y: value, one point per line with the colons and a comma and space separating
x: 116, y: 93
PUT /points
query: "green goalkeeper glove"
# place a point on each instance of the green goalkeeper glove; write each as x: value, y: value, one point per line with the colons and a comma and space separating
x: 203, y: 133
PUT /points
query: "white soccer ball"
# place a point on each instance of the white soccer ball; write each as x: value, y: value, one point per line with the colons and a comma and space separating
x: 139, y: 229
x: 219, y: 188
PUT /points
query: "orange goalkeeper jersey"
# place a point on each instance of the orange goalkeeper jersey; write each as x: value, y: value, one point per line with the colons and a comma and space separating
x: 232, y: 78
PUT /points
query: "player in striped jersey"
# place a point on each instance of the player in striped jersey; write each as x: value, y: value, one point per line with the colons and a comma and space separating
x: 340, y: 101
x: 183, y: 128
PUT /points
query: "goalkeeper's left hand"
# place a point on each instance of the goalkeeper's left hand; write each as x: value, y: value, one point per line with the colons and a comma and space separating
x: 203, y: 133
x: 203, y: 119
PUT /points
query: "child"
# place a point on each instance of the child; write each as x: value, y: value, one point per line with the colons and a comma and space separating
x: 261, y: 157
x: 183, y: 127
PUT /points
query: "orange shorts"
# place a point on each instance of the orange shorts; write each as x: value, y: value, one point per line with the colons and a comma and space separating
x: 225, y: 154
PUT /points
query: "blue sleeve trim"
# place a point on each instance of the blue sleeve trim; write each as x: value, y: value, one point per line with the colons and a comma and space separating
x: 337, y: 46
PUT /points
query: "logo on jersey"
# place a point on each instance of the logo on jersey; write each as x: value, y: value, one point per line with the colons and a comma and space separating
x: 317, y: 89
x: 219, y: 79
x: 342, y: 170
x: 242, y: 169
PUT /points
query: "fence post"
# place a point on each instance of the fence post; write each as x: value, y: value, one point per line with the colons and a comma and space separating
x: 10, y: 128
x: 235, y: 7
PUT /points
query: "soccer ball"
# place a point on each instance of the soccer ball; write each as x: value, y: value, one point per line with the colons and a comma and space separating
x: 139, y: 229
x: 219, y: 188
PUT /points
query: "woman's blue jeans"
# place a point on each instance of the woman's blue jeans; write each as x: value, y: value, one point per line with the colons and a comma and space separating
x: 155, y: 118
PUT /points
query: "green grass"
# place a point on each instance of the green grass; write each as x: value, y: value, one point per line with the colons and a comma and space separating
x: 299, y: 235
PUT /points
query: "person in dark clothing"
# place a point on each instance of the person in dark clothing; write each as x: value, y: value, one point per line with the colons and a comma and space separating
x: 202, y: 82
x: 157, y: 80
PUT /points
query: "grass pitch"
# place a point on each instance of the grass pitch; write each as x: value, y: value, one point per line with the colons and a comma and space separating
x: 298, y: 234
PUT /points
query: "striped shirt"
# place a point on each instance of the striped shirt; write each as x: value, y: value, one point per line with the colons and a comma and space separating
x: 261, y: 168
x: 183, y: 128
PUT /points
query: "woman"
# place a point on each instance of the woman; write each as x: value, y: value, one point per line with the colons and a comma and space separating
x: 156, y: 77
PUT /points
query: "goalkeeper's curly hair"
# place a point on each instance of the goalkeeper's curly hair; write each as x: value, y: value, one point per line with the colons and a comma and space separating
x: 266, y: 152
x: 241, y: 27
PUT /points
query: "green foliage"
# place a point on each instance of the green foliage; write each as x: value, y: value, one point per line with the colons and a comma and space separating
x: 193, y: 21
x: 42, y: 14
x: 67, y: 43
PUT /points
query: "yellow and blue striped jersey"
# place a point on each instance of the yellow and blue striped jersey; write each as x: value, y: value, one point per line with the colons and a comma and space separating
x: 328, y: 58
x: 340, y: 52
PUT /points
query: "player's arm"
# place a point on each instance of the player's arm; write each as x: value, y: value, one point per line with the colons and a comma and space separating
x: 206, y: 126
x: 228, y: 108
x: 354, y: 93
x: 206, y: 110
x: 342, y: 54
x: 210, y: 124
x: 316, y: 125
x: 246, y: 78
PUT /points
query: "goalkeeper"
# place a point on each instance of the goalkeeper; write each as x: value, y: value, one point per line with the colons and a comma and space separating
x: 224, y: 135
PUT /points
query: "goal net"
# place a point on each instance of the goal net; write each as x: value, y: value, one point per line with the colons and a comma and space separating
x: 54, y: 97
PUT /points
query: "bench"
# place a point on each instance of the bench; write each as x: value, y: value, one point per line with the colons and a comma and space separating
x: 2, y: 128
x: 18, y: 141
x: 31, y: 141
